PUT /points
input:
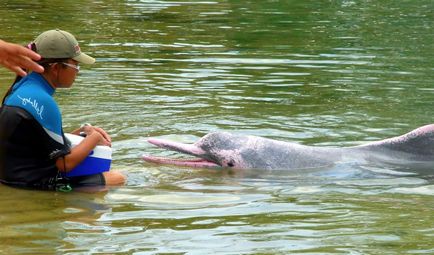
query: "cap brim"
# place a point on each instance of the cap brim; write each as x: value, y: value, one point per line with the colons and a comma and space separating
x: 84, y: 59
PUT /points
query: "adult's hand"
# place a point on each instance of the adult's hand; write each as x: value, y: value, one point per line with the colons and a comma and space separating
x: 16, y: 58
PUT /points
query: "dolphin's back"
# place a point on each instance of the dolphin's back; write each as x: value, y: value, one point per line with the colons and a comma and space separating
x: 416, y: 145
x: 413, y: 147
x: 264, y: 153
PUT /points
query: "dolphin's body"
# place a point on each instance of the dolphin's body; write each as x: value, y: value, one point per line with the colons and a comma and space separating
x: 222, y: 149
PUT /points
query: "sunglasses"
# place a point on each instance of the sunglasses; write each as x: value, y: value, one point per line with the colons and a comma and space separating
x: 76, y: 67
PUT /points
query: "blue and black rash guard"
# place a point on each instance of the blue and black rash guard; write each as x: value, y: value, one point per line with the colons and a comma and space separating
x: 31, y: 134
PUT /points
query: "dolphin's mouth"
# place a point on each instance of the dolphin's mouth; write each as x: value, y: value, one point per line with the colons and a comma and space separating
x: 199, y: 162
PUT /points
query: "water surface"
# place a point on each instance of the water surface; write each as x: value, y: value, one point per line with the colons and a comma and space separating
x: 331, y: 73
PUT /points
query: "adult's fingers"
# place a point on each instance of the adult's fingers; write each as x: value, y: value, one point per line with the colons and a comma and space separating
x: 24, y: 58
x: 29, y: 64
x: 23, y: 51
x: 14, y: 68
x: 16, y: 58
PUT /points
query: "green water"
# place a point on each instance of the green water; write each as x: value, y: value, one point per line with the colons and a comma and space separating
x: 330, y: 73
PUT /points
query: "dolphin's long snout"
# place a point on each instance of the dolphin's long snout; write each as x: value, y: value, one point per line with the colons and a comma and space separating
x: 190, y: 149
x: 180, y: 147
x: 201, y: 163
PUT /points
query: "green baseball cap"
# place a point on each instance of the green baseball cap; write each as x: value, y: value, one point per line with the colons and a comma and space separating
x: 60, y: 44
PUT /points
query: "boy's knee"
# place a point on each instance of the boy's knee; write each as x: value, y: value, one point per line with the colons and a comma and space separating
x: 114, y: 178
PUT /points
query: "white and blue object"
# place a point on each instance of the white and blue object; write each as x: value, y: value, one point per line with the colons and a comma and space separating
x: 98, y: 161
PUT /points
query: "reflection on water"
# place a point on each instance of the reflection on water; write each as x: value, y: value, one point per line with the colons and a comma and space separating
x: 334, y: 73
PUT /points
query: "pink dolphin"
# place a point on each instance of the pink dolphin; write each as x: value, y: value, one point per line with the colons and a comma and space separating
x: 222, y: 149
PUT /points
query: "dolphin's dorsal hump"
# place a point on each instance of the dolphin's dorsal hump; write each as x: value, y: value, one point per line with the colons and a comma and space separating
x: 419, y: 142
